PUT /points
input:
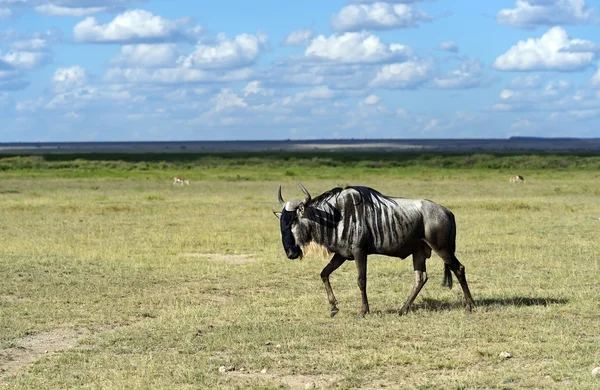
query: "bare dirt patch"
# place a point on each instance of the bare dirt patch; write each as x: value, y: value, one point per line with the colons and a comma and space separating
x: 234, y: 259
x: 31, y: 348
x: 294, y: 382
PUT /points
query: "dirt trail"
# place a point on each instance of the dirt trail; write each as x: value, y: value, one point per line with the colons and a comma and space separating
x: 31, y: 348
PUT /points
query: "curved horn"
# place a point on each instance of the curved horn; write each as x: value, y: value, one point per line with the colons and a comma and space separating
x: 280, y: 197
x: 307, y: 197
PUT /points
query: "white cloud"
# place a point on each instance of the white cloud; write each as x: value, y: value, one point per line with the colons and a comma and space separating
x: 227, y: 99
x: 545, y: 53
x: 147, y: 55
x: 173, y: 76
x: 506, y: 94
x: 131, y: 26
x: 450, y: 46
x: 378, y: 16
x: 57, y: 10
x: 255, y: 88
x: 241, y: 51
x: 468, y: 75
x: 33, y: 44
x: 66, y: 79
x: 318, y: 93
x: 372, y: 99
x: 407, y: 74
x: 431, y: 124
x: 596, y: 78
x: 25, y: 59
x: 298, y: 38
x: 5, y: 13
x: 30, y: 105
x: 355, y: 48
x: 533, y: 13
x: 526, y: 82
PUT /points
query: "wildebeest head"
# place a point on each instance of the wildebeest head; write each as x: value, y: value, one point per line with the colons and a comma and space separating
x: 292, y: 234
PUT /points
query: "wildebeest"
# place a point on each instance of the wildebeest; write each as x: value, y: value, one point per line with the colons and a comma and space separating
x: 355, y: 222
x: 516, y: 179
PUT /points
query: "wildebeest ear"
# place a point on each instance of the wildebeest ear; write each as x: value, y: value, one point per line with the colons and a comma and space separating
x: 277, y: 214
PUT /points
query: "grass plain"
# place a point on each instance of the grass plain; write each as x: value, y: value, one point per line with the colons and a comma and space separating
x: 114, y: 278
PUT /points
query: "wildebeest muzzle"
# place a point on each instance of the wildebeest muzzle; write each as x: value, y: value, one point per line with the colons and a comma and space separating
x: 293, y: 252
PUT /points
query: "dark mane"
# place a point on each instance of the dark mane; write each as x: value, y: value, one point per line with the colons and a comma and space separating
x: 370, y: 196
x: 324, y: 198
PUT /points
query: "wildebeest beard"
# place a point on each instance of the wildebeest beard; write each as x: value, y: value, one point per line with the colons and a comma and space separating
x: 324, y: 220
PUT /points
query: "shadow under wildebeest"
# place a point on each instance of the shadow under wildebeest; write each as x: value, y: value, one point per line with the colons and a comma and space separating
x: 429, y: 304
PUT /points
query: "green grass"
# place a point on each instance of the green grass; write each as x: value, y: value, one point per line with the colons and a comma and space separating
x: 118, y: 255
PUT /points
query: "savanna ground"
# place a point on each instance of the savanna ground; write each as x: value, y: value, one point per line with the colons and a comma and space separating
x: 114, y: 278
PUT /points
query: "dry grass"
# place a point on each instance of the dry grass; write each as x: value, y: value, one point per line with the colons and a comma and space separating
x: 162, y: 285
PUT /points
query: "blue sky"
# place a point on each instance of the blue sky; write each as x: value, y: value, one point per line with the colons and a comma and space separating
x: 120, y: 70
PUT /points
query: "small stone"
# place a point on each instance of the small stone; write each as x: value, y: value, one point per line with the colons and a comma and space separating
x: 268, y: 343
x: 278, y: 346
x: 310, y: 385
x: 242, y: 369
x: 263, y: 371
x: 505, y: 355
x: 596, y: 371
x: 226, y: 368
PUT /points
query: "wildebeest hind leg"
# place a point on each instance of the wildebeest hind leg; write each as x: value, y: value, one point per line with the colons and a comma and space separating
x: 334, y: 264
x: 459, y: 271
x: 419, y: 259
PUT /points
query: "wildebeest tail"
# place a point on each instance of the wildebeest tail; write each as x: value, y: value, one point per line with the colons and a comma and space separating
x: 447, y: 276
x: 452, y: 244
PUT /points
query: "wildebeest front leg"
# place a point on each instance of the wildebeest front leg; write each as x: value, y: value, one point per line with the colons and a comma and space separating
x: 419, y: 259
x: 334, y: 264
x: 361, y: 267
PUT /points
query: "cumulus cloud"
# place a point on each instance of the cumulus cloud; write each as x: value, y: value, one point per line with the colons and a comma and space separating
x: 57, y: 10
x: 533, y: 13
x: 545, y: 53
x: 25, y: 59
x: 134, y: 26
x: 147, y: 55
x: 174, y: 76
x: 449, y: 46
x: 321, y: 92
x: 372, y: 100
x: 596, y: 78
x: 529, y: 81
x: 11, y: 80
x: 468, y: 75
x: 355, y: 48
x: 66, y: 79
x: 404, y: 75
x: 298, y: 38
x: 378, y: 16
x: 227, y: 99
x: 255, y: 88
x: 241, y: 51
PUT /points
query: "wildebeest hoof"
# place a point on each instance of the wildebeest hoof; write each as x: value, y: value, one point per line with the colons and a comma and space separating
x: 333, y: 313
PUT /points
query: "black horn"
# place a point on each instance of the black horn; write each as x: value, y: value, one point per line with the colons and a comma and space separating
x: 280, y: 197
x: 307, y: 197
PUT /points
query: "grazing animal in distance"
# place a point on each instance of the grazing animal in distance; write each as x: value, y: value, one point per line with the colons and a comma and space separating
x: 516, y: 179
x: 178, y: 180
x: 355, y: 222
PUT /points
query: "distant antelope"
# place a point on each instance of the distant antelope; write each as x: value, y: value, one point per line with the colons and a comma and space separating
x: 178, y: 180
x: 516, y: 179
